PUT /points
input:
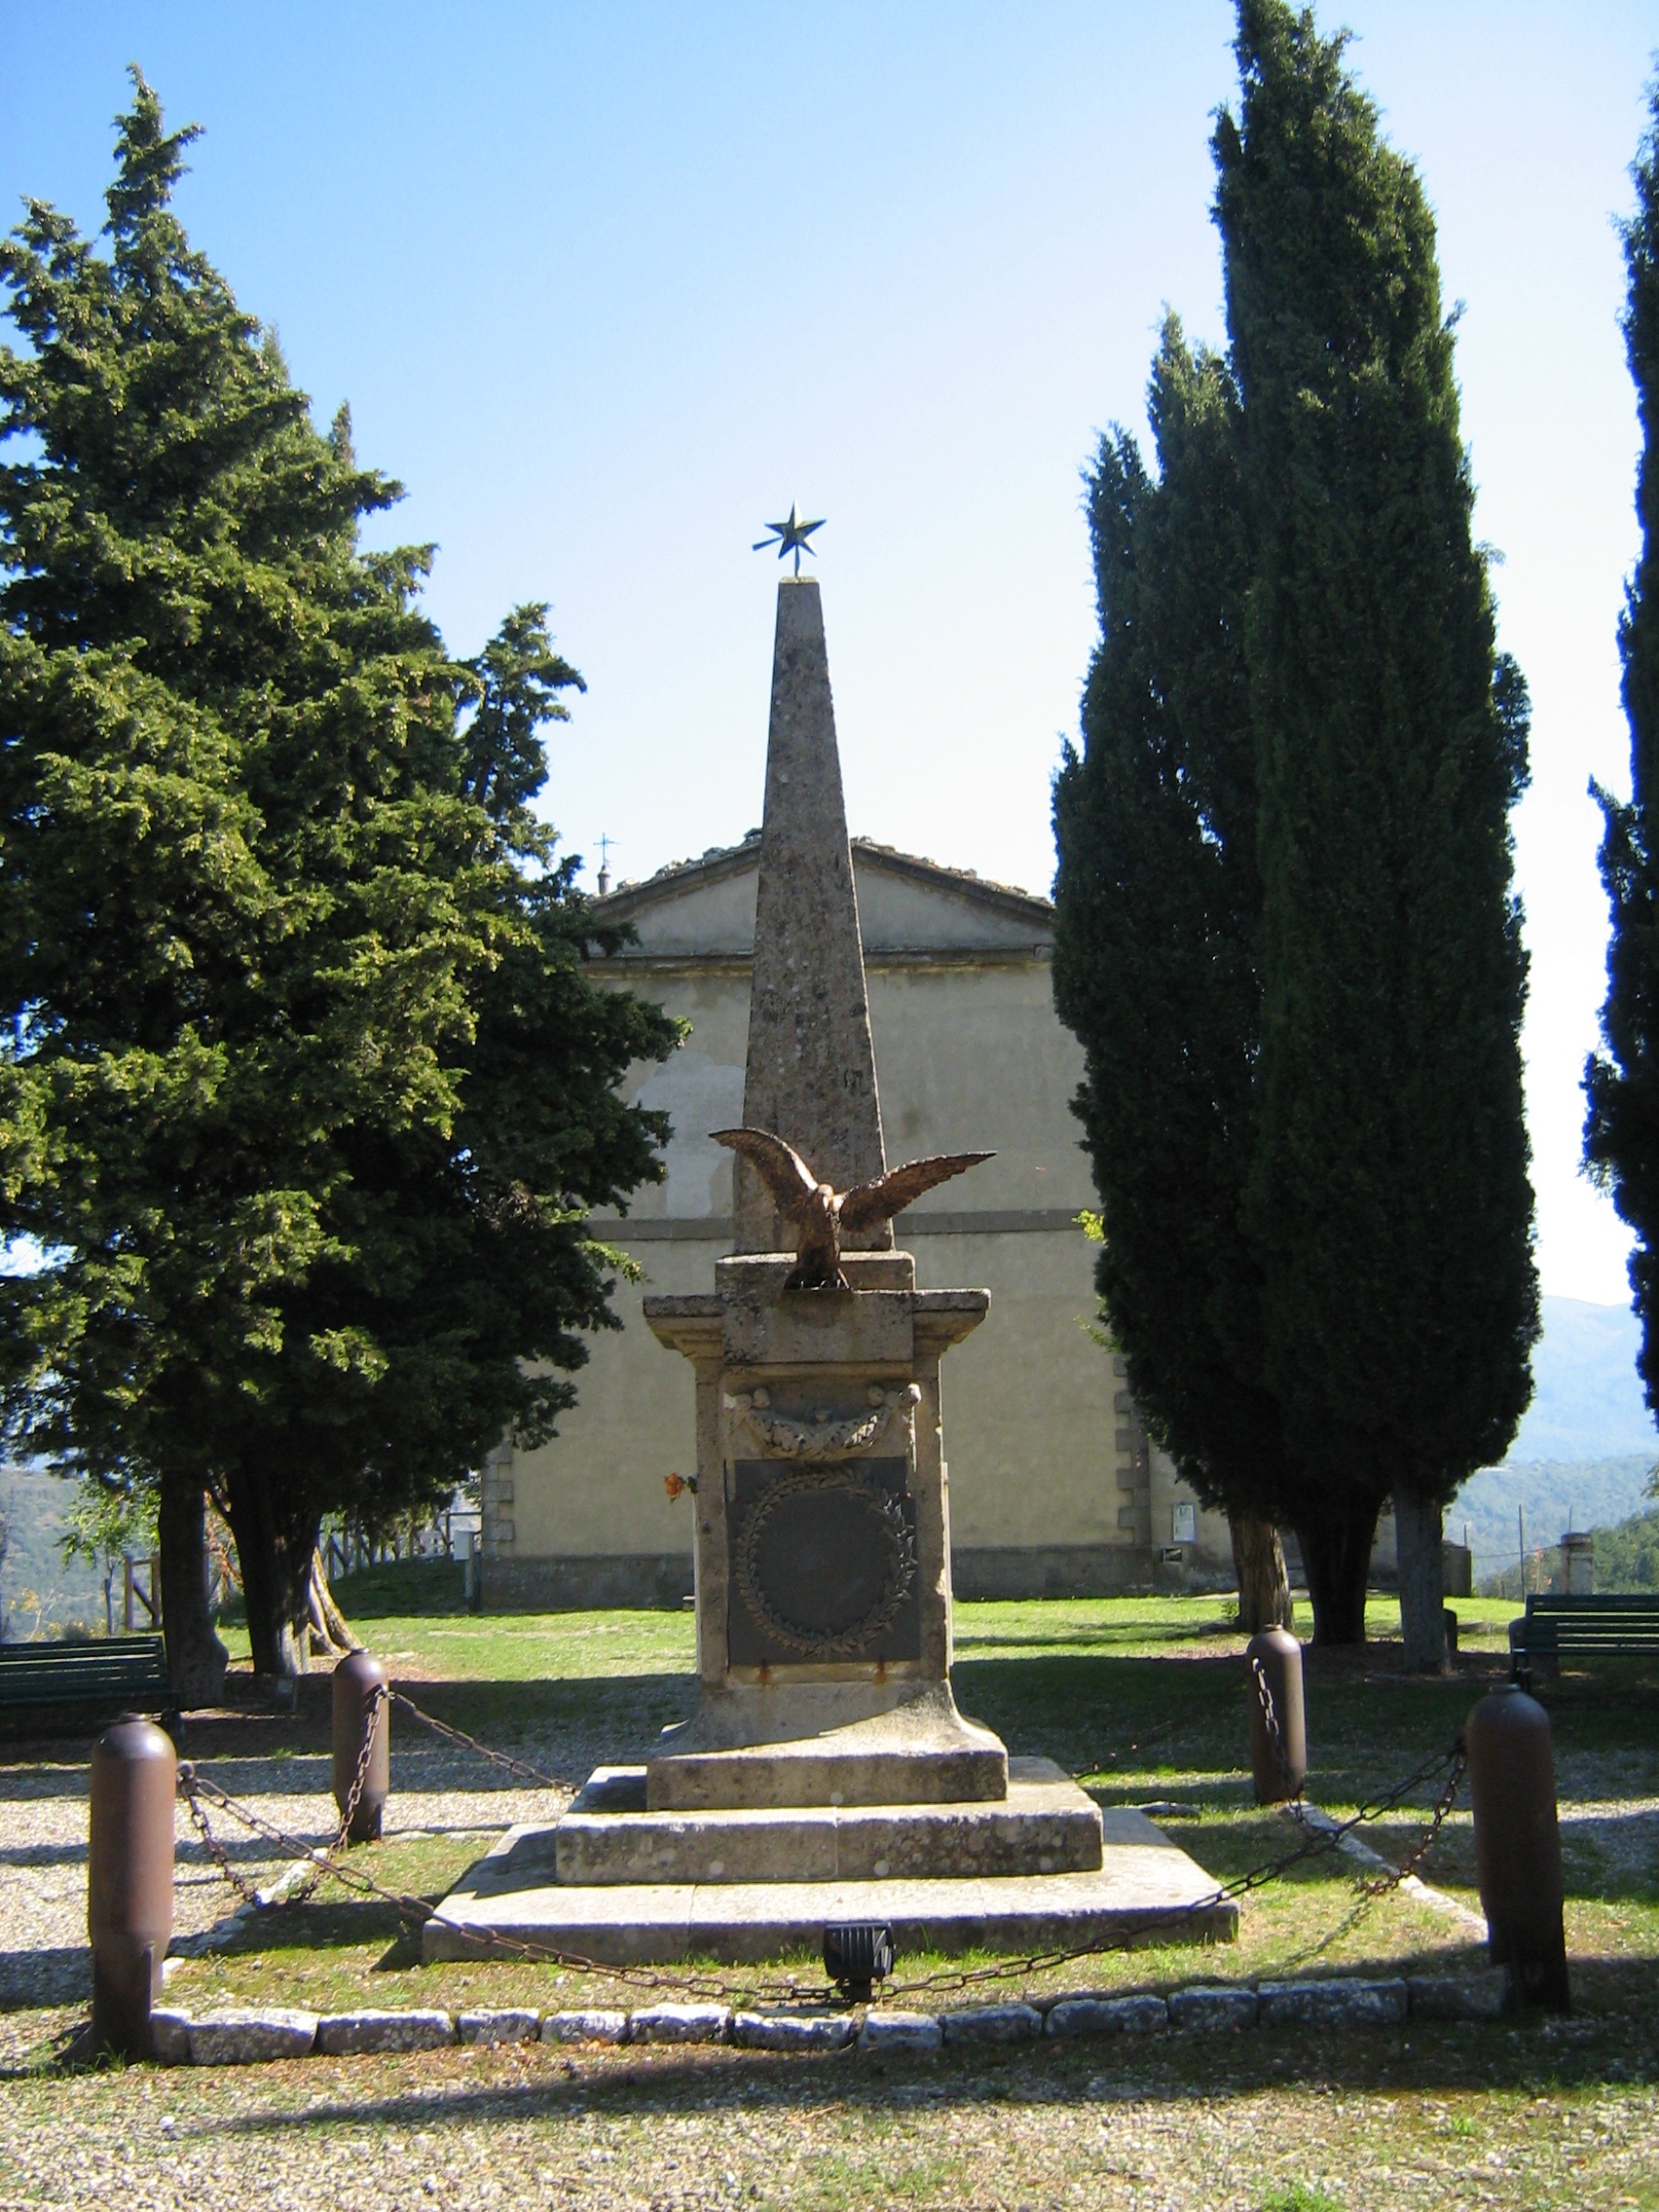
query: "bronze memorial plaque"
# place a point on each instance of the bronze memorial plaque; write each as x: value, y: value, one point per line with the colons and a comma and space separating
x: 823, y: 1564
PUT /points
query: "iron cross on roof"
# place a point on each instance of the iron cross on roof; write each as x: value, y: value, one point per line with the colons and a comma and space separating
x: 790, y: 537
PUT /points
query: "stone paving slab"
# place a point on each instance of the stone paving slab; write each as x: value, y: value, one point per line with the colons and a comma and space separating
x: 899, y: 2031
x: 1458, y: 1995
x: 680, y: 2023
x: 1209, y: 2007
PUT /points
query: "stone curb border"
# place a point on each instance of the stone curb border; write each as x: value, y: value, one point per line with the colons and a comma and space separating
x: 245, y: 2035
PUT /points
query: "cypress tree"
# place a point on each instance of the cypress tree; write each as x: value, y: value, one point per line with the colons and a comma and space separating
x: 1389, y: 1200
x: 1621, y: 1136
x: 305, y: 1096
x: 1158, y: 910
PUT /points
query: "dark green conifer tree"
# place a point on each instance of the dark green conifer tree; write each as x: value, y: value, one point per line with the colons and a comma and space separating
x: 1158, y: 911
x: 1389, y: 1206
x: 1621, y: 1135
x: 304, y: 1099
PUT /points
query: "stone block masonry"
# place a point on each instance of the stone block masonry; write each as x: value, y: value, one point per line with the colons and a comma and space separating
x: 680, y: 2023
x: 1312, y: 2005
x: 585, y: 2027
x: 1337, y: 2003
x: 245, y: 2035
x: 495, y: 2025
x: 356, y: 2034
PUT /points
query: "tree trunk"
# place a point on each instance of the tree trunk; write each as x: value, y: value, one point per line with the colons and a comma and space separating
x: 331, y: 1632
x: 1336, y: 1552
x: 196, y: 1658
x: 274, y: 1549
x: 1423, y: 1583
x: 1264, y: 1587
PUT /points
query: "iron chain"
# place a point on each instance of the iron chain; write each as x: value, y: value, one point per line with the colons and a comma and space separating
x: 415, y: 1911
x: 1430, y: 1831
x: 520, y: 1767
x: 322, y: 1860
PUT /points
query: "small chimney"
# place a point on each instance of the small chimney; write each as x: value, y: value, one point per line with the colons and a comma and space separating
x: 1578, y: 1564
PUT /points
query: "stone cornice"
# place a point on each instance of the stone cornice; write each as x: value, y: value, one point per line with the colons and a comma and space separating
x: 717, y: 1229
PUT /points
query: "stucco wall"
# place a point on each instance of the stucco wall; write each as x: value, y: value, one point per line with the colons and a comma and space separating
x: 1052, y: 1484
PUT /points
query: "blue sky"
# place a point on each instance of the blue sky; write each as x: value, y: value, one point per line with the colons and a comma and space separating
x: 608, y: 285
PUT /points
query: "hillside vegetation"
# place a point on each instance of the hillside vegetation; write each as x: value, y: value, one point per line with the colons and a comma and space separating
x: 1627, y: 1557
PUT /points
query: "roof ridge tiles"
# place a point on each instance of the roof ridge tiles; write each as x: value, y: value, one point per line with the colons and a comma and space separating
x: 747, y: 845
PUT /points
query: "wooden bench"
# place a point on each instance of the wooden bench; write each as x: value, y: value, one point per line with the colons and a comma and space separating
x: 1586, y: 1627
x: 108, y: 1669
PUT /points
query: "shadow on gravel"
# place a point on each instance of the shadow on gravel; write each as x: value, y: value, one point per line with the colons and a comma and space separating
x: 57, y: 1975
x: 566, y: 1717
x: 567, y: 1726
x: 44, y: 1854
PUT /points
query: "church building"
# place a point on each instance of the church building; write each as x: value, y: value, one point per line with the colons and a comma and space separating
x: 1053, y: 1490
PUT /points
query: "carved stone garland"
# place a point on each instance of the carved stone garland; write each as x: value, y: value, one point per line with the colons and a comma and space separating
x: 823, y: 1438
x: 888, y: 1526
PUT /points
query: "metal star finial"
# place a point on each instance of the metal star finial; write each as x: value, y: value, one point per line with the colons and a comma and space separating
x: 790, y: 537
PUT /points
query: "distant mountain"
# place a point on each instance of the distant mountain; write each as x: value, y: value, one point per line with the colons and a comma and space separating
x: 1587, y: 1401
x: 1585, y: 1448
x: 1553, y: 1494
x: 36, y: 1589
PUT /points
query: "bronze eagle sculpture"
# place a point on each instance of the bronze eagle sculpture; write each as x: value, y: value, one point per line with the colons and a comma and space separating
x: 819, y: 1213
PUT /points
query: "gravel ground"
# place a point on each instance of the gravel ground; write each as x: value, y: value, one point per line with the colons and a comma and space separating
x: 43, y: 1848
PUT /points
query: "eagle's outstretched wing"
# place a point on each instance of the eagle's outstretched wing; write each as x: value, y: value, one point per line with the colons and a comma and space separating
x: 786, y: 1174
x: 901, y: 1187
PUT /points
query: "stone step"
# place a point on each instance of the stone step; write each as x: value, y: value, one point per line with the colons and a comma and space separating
x: 1045, y: 1826
x: 1146, y: 1891
x: 867, y: 1741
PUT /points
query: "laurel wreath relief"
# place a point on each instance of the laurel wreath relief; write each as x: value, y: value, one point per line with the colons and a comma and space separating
x: 888, y: 1527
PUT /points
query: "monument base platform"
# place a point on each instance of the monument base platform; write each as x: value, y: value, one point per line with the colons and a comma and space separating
x: 1146, y: 1890
x: 1043, y: 1824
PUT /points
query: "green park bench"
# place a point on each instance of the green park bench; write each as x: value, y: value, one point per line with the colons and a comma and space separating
x: 107, y: 1671
x: 1585, y: 1627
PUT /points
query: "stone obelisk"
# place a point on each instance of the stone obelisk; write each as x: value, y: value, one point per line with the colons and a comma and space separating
x: 811, y: 1066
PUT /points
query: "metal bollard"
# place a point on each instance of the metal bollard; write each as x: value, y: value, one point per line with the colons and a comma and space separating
x: 1518, y: 1844
x: 362, y: 1711
x: 1280, y: 1768
x: 129, y: 1879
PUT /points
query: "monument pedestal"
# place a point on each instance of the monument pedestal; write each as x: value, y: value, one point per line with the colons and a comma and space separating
x: 823, y: 1545
x: 827, y: 1773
